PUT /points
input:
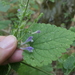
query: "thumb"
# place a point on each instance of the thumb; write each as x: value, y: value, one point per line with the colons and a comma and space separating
x: 7, y: 47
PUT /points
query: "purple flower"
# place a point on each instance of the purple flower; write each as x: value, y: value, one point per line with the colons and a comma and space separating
x: 30, y: 49
x: 28, y: 40
x: 18, y: 10
x: 38, y: 31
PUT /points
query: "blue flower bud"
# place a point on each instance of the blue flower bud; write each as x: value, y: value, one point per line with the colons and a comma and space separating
x: 30, y: 49
x: 28, y: 40
x: 18, y: 10
x: 38, y: 31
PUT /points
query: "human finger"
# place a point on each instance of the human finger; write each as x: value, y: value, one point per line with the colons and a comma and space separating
x: 7, y: 47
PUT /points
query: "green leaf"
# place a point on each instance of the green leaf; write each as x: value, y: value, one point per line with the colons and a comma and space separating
x: 27, y: 70
x: 48, y: 45
x: 4, y: 8
x: 13, y: 1
x: 15, y: 66
x: 72, y: 29
x: 69, y: 62
x: 52, y: 0
x: 4, y: 24
x: 3, y: 70
x: 73, y: 44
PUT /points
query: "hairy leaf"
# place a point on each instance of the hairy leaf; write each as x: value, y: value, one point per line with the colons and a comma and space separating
x: 48, y: 45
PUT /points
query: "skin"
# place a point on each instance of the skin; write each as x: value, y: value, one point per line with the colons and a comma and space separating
x: 9, y: 53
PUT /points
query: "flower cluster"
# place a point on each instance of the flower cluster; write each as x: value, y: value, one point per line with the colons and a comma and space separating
x: 30, y: 49
x: 29, y: 39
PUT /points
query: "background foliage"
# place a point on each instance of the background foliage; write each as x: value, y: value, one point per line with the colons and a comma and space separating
x: 50, y: 45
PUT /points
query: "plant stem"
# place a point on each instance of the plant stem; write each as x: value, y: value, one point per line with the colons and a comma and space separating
x: 26, y: 7
x: 9, y: 68
x: 23, y: 15
x: 36, y: 68
x: 70, y: 70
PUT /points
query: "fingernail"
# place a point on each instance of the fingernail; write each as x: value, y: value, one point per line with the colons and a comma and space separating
x: 8, y: 42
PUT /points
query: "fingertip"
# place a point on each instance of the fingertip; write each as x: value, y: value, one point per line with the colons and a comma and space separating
x: 16, y: 57
x: 7, y: 47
